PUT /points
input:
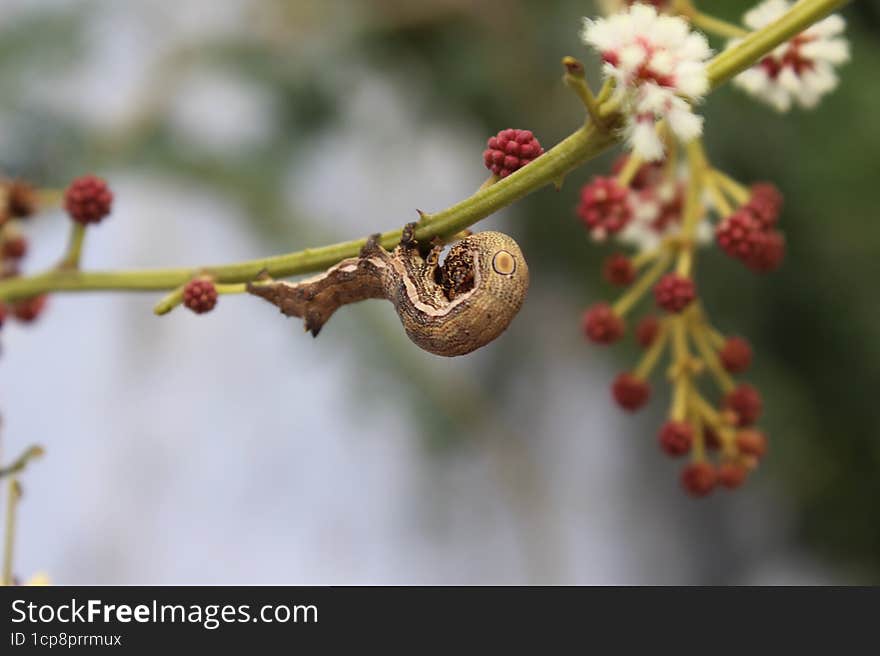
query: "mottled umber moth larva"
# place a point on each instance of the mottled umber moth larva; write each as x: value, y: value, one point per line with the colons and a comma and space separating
x: 448, y: 310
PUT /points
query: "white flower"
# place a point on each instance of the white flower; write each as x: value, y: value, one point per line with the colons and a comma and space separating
x: 657, y: 214
x: 659, y: 68
x: 641, y: 232
x: 799, y: 71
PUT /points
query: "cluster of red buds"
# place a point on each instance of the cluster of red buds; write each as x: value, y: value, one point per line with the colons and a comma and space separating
x: 663, y: 210
x: 749, y: 232
x: 200, y: 295
x: 510, y: 150
x: 86, y: 200
x: 18, y: 203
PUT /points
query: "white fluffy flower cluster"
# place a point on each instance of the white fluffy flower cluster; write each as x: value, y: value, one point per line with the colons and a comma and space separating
x: 659, y: 67
x: 799, y: 71
x: 657, y: 213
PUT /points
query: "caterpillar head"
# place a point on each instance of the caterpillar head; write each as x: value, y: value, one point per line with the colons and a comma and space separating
x: 504, y: 273
x: 491, y: 261
x: 485, y: 279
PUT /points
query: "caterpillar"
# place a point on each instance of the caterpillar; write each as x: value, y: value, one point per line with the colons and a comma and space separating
x: 449, y: 309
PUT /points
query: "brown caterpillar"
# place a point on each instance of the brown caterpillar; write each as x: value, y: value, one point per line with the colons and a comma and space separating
x: 448, y: 310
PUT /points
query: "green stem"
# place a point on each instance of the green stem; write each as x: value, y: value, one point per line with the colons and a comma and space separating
x: 14, y: 492
x: 679, y: 372
x: 74, y: 247
x: 646, y: 257
x: 737, y: 191
x: 717, y: 26
x: 698, y: 450
x: 576, y: 80
x: 693, y: 207
x: 629, y: 170
x: 719, y: 202
x: 21, y: 462
x: 710, y: 358
x: 236, y: 288
x: 169, y: 302
x: 635, y: 293
x: 652, y: 355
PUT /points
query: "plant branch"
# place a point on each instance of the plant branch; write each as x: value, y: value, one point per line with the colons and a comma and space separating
x: 585, y: 144
x: 31, y: 453
x: 717, y: 26
x: 575, y: 79
x: 693, y: 208
x: 74, y: 248
x: 13, y: 495
x: 706, y: 22
x: 581, y: 146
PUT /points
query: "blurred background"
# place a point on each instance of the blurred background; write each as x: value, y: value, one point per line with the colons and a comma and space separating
x: 231, y: 448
